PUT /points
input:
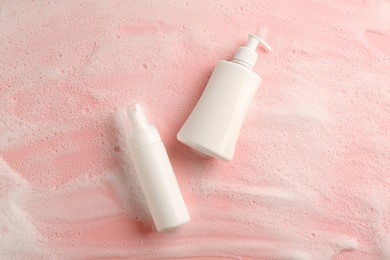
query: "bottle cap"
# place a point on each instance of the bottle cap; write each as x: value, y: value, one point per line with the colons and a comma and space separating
x: 247, y: 55
x: 134, y: 127
x: 137, y: 118
x: 132, y: 120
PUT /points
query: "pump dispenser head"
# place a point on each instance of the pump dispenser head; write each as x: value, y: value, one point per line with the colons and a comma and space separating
x: 137, y: 117
x: 131, y: 120
x: 247, y: 55
x: 132, y: 125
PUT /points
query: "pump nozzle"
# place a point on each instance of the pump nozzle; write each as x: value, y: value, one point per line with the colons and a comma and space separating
x: 247, y: 55
x: 254, y: 41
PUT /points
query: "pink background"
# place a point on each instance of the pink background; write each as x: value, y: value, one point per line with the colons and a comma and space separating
x: 311, y: 174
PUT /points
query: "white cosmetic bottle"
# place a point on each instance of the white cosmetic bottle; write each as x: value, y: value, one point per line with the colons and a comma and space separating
x: 214, y: 124
x: 154, y: 170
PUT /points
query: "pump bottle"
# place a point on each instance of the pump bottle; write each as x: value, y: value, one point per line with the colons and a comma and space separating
x: 153, y: 169
x: 214, y: 124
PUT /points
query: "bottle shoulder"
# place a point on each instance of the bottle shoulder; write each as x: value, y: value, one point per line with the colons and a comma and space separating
x: 144, y: 138
x: 232, y: 67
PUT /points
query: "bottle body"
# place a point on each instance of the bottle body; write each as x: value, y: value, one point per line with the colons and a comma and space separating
x: 215, y: 123
x: 159, y: 184
x: 153, y: 169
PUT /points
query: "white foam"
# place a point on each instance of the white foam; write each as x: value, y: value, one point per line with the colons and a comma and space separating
x: 386, y: 246
x: 379, y: 17
x: 19, y: 238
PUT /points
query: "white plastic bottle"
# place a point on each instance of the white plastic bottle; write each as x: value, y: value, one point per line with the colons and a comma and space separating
x: 214, y: 124
x: 154, y: 170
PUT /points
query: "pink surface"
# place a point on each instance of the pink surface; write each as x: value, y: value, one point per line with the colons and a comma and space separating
x: 311, y: 174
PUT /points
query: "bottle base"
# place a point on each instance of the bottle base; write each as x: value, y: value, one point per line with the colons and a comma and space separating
x: 204, y: 150
x: 171, y: 228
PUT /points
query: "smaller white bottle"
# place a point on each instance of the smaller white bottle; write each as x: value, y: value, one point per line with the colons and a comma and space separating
x: 153, y: 169
x: 215, y: 123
